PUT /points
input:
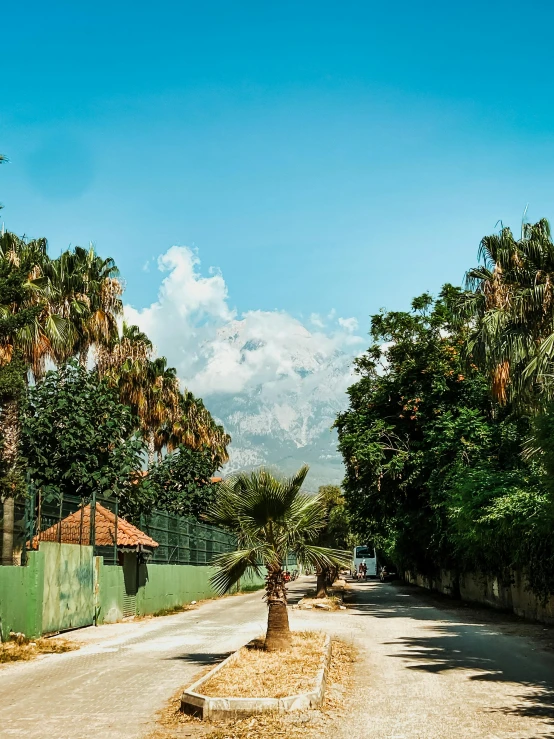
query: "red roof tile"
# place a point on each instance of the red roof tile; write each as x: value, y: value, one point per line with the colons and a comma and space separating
x: 75, y: 529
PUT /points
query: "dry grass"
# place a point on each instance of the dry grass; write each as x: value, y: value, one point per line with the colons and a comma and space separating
x: 331, y: 603
x: 305, y: 725
x: 256, y: 673
x: 13, y: 651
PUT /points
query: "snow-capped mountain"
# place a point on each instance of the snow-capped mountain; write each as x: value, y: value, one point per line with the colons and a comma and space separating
x: 274, y: 380
x: 285, y: 420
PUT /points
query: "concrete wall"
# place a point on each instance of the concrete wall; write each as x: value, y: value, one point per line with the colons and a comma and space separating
x: 514, y: 596
x: 163, y: 587
x: 21, y: 595
x: 108, y: 592
x: 68, y: 600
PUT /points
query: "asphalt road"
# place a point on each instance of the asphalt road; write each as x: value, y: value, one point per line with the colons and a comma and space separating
x: 427, y: 669
x: 124, y: 673
x: 433, y: 669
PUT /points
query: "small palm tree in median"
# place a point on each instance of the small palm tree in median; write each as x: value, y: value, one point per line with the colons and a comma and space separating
x: 271, y: 518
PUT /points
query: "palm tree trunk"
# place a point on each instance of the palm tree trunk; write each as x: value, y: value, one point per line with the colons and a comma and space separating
x: 151, y: 449
x: 7, y: 536
x: 321, y: 587
x: 278, y: 630
x: 9, y: 423
x: 83, y: 357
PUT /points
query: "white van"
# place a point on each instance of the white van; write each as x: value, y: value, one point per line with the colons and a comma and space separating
x: 367, y: 554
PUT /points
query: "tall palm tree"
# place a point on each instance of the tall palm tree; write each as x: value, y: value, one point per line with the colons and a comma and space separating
x: 270, y: 518
x: 163, y: 404
x: 509, y: 307
x: 86, y: 290
x: 124, y: 363
x: 32, y: 333
x: 195, y: 428
x: 45, y: 333
x: 148, y: 386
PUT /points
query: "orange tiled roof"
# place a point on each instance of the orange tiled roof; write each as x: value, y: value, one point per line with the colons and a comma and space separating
x: 75, y: 529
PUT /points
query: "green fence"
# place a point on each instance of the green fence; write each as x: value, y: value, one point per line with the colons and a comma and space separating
x: 184, y: 541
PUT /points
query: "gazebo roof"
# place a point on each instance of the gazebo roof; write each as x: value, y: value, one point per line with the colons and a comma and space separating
x: 75, y: 529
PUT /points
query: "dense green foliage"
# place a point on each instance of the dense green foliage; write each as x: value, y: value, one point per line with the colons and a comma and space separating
x: 78, y: 438
x: 435, y: 474
x: 181, y: 483
x: 336, y: 532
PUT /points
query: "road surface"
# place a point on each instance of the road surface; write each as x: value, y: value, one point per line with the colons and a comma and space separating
x: 428, y: 669
x: 433, y: 669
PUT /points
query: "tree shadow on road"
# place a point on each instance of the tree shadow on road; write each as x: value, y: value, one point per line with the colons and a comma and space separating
x: 200, y: 658
x: 490, y: 646
x: 459, y: 646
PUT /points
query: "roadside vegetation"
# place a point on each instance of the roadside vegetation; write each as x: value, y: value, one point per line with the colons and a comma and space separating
x: 23, y: 650
x: 448, y: 441
x: 85, y: 405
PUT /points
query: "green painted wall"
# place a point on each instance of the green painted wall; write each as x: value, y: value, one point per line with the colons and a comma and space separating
x: 21, y: 591
x: 68, y: 599
x: 164, y: 587
x: 109, y: 588
x: 63, y: 587
x: 169, y: 586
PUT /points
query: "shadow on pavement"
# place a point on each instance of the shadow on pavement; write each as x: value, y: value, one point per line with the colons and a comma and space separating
x: 466, y: 639
x: 199, y: 658
x: 539, y: 704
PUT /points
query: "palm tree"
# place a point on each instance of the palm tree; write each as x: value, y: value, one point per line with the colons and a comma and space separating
x: 124, y: 363
x: 32, y: 333
x: 163, y: 404
x: 271, y: 518
x: 195, y: 428
x: 43, y: 332
x: 509, y: 308
x: 85, y: 289
x: 148, y: 386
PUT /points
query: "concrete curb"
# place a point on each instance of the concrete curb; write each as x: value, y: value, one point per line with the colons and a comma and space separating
x: 195, y: 703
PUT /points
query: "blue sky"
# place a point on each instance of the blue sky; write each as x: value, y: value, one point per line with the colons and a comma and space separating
x: 320, y: 154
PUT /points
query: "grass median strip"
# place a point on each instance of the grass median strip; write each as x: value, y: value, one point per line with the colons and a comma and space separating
x: 256, y: 673
x: 173, y: 724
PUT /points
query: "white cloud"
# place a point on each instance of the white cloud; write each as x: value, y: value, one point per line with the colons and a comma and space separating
x: 315, y: 320
x: 350, y: 324
x: 216, y: 351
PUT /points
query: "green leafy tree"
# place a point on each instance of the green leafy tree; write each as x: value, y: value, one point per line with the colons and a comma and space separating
x: 78, y: 438
x: 419, y: 421
x: 270, y: 518
x: 181, y: 483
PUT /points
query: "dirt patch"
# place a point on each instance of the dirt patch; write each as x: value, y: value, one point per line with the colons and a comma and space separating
x: 16, y: 651
x: 333, y: 601
x: 256, y: 673
x: 305, y: 725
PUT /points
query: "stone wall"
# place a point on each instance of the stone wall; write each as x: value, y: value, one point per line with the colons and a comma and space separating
x: 488, y: 590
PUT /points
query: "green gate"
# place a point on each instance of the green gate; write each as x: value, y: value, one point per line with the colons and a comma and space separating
x: 68, y: 600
